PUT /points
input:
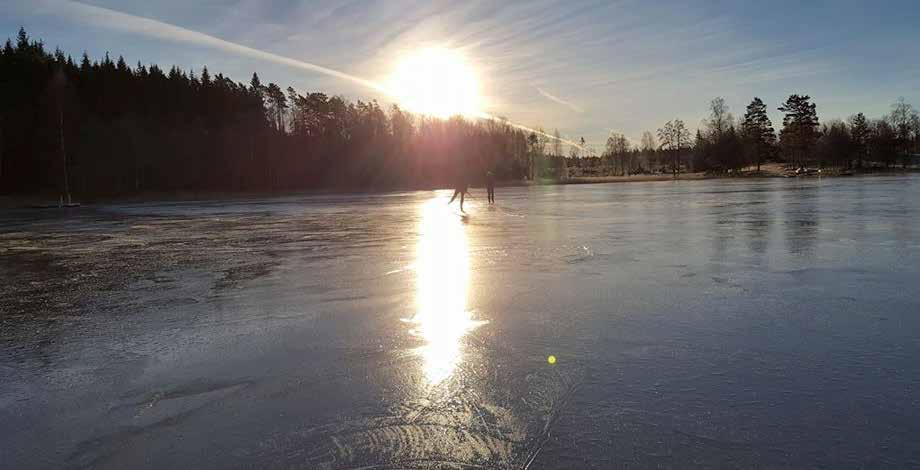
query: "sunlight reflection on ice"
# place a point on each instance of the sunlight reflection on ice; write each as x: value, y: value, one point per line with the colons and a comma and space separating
x: 442, y: 280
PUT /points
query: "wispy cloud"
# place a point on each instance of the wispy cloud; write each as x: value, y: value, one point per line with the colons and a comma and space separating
x: 558, y: 100
x: 112, y: 19
x: 582, y: 66
x: 125, y: 22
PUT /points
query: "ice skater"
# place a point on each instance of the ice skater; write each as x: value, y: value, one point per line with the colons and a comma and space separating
x: 462, y: 189
x: 490, y: 186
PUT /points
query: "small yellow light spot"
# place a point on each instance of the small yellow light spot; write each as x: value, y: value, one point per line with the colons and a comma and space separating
x: 551, y: 359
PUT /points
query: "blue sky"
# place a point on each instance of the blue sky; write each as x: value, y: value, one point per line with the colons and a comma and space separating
x: 584, y: 67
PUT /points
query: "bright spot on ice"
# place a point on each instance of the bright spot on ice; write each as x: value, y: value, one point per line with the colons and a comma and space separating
x: 551, y: 359
x: 442, y: 279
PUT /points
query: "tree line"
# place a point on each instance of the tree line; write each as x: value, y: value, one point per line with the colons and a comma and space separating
x: 723, y: 144
x: 104, y: 127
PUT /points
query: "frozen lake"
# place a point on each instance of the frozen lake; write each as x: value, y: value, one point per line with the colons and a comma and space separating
x: 770, y: 323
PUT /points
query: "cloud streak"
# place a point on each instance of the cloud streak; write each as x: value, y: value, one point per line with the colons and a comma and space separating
x: 125, y: 22
x: 558, y: 100
x: 582, y: 66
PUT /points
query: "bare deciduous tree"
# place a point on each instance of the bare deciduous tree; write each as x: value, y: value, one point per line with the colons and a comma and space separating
x: 902, y: 118
x: 673, y: 137
x: 720, y: 119
x: 616, y: 150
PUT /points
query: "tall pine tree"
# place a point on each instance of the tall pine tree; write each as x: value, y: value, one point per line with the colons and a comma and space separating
x: 757, y: 132
x: 800, y: 128
x: 860, y: 133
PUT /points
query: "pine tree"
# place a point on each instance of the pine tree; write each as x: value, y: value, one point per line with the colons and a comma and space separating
x: 757, y: 132
x: 859, y: 131
x: 700, y: 152
x: 205, y: 77
x: 800, y: 128
x: 278, y: 104
x: 22, y: 40
x: 85, y: 64
x: 255, y: 85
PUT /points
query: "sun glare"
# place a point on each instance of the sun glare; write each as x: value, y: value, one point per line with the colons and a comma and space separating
x: 443, y: 277
x: 436, y: 82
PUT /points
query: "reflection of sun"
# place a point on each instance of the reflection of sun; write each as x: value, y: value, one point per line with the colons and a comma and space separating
x: 437, y: 82
x: 443, y: 275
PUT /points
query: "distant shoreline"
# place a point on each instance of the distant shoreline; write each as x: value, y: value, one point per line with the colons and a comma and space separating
x: 33, y: 201
x: 641, y: 178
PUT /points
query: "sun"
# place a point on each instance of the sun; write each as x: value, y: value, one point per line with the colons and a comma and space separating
x: 436, y: 82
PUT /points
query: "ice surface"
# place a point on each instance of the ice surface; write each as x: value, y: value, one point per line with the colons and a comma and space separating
x: 769, y: 323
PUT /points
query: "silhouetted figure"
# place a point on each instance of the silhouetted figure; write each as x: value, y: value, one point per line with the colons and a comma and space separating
x: 490, y: 186
x: 462, y: 189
